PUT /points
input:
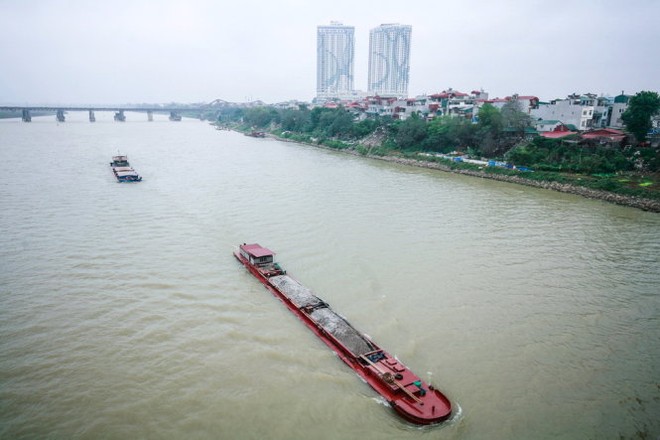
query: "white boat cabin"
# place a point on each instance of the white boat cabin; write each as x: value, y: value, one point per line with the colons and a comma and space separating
x: 119, y: 161
x: 257, y: 255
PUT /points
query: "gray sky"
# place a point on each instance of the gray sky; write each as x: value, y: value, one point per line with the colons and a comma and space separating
x: 135, y: 51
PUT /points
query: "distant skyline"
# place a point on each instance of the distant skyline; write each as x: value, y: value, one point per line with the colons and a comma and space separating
x: 138, y: 51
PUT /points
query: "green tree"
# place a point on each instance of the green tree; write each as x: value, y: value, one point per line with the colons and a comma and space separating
x: 315, y: 118
x: 449, y: 133
x: 365, y: 128
x: 230, y: 114
x: 561, y: 155
x: 489, y: 130
x: 295, y: 120
x: 500, y: 133
x: 514, y: 120
x: 648, y: 159
x: 411, y: 132
x: 637, y: 117
x: 489, y: 118
x: 522, y: 155
x: 342, y: 125
x: 261, y: 116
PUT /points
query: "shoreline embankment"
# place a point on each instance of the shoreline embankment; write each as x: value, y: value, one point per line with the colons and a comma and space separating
x: 618, y: 199
x: 633, y: 202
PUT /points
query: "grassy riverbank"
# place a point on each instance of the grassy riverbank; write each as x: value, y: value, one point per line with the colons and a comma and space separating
x: 627, y: 189
x: 638, y: 190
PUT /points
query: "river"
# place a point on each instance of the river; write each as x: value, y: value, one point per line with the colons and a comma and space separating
x: 123, y: 313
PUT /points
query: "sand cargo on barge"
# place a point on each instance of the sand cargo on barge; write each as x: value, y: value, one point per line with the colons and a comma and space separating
x: 415, y: 400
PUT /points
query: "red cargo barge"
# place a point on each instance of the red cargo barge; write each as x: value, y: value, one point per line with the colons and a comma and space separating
x: 415, y: 400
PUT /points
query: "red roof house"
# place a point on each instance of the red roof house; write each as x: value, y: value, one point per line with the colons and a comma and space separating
x: 609, y: 134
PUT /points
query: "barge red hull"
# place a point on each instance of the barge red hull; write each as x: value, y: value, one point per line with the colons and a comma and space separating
x: 413, y: 399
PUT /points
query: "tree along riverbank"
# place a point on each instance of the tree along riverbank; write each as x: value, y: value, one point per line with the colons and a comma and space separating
x: 500, y: 174
x: 631, y: 201
x: 623, y: 169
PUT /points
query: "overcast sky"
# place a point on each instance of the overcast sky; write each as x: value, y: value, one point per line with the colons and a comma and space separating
x: 159, y: 51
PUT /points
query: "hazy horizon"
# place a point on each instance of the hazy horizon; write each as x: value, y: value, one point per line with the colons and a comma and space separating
x: 77, y: 52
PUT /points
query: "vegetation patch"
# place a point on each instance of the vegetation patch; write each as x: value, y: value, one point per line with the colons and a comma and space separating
x: 501, y: 136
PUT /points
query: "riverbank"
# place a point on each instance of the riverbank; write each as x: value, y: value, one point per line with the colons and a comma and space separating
x: 644, y: 204
x: 633, y: 202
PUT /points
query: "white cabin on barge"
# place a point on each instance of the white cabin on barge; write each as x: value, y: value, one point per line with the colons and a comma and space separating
x: 257, y: 255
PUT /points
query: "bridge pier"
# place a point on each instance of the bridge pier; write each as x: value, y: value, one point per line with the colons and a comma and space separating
x: 92, y: 118
x: 60, y: 116
x: 26, y: 116
x: 150, y: 116
x: 174, y: 116
x: 119, y: 116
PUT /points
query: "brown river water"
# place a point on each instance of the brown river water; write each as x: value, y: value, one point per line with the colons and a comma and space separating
x: 123, y: 313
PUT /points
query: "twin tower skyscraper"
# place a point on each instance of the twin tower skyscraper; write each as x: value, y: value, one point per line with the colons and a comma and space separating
x: 389, y: 61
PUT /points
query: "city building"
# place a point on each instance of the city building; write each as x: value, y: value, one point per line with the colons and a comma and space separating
x: 618, y: 107
x: 452, y: 102
x: 553, y: 126
x: 577, y: 110
x: 585, y: 112
x: 602, y: 112
x: 389, y: 60
x: 525, y: 103
x: 335, y: 47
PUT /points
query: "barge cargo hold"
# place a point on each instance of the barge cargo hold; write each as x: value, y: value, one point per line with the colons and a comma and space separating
x: 413, y: 399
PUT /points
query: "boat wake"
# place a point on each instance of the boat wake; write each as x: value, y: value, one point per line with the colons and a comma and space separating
x: 455, y: 418
x: 381, y: 401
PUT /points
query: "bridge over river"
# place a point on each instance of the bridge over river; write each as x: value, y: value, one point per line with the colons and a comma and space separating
x: 175, y: 112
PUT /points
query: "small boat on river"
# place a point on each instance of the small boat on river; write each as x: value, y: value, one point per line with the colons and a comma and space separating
x: 413, y: 399
x: 256, y: 134
x: 123, y: 170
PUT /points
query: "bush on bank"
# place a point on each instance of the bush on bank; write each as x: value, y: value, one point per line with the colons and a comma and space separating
x: 498, y: 135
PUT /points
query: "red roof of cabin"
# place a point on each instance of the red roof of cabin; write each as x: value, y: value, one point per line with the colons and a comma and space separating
x: 256, y: 250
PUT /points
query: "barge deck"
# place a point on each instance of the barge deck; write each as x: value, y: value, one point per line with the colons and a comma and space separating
x: 413, y: 399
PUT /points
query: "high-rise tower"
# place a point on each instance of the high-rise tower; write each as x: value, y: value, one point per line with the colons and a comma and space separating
x: 334, y: 60
x: 389, y: 60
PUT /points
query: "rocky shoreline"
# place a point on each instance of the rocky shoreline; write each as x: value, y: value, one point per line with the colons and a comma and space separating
x: 632, y: 202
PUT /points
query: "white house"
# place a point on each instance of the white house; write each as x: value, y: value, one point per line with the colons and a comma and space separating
x: 577, y: 110
x: 619, y: 106
x: 451, y: 102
